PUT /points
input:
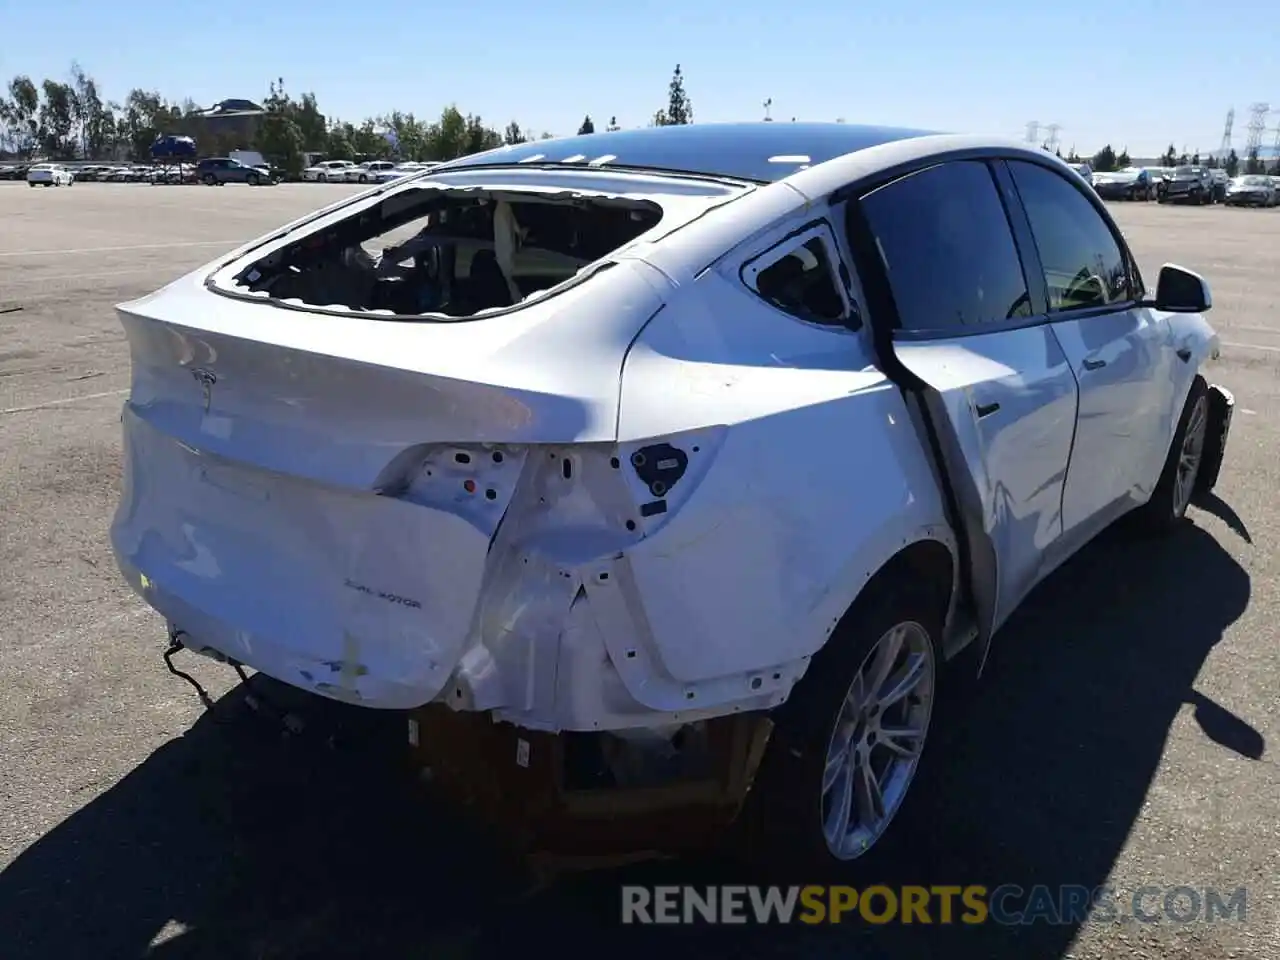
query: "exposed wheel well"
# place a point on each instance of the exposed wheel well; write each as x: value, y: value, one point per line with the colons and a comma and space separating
x: 925, y: 562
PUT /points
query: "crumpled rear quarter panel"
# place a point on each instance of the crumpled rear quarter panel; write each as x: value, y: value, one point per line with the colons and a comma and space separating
x: 819, y: 478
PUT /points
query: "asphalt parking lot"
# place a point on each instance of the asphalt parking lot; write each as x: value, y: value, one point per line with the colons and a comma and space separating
x: 1126, y: 731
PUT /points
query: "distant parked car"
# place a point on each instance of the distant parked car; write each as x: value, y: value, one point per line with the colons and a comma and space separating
x: 1132, y: 183
x: 1189, y: 184
x: 328, y: 171
x: 368, y: 171
x: 49, y: 175
x: 119, y: 175
x: 1085, y: 171
x: 219, y: 171
x: 1251, y: 191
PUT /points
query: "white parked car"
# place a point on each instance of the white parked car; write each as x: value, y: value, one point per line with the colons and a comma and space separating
x: 368, y: 171
x: 719, y: 454
x: 49, y: 175
x: 333, y: 171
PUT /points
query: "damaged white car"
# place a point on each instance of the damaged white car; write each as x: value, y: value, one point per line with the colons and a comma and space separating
x: 660, y: 469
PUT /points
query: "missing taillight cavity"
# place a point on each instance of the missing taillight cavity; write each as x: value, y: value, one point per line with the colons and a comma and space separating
x: 447, y: 253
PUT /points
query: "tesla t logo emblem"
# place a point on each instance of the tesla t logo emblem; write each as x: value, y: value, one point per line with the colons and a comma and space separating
x: 206, y: 379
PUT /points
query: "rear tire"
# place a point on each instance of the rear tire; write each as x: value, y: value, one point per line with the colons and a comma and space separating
x: 834, y: 730
x: 1167, y: 508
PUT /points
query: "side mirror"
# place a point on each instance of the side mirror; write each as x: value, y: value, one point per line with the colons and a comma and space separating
x: 1179, y: 290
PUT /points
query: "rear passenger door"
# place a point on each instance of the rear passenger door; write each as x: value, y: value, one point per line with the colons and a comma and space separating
x: 953, y: 310
x: 1116, y: 347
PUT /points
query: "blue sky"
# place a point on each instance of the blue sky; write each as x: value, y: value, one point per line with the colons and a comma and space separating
x: 1140, y: 73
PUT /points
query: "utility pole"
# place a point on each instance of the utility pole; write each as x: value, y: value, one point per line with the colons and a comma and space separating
x: 1033, y: 131
x: 767, y: 104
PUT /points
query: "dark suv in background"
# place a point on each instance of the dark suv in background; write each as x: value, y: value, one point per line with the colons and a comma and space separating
x: 216, y: 171
x: 1187, y: 185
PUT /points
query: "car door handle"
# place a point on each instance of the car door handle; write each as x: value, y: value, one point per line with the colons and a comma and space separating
x: 1094, y: 364
x: 1184, y: 355
x: 986, y: 409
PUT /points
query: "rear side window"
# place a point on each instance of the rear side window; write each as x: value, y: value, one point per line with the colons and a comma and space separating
x: 799, y: 277
x: 946, y: 244
x: 1084, y: 265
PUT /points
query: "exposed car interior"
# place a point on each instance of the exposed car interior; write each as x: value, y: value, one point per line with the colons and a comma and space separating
x: 449, y: 252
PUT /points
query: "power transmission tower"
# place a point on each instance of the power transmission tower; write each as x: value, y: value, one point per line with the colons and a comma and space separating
x: 1052, y: 144
x: 1226, y: 133
x: 1033, y: 131
x: 1257, y: 127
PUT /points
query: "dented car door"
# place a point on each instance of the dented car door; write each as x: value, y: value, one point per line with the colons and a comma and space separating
x: 959, y: 327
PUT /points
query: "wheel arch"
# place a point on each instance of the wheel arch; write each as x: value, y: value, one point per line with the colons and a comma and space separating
x: 930, y: 559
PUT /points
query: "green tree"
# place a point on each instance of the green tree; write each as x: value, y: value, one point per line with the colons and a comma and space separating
x: 1170, y: 158
x: 1252, y: 164
x: 279, y: 137
x: 679, y: 109
x: 1104, y: 161
x: 513, y: 134
x: 1232, y: 164
x: 1195, y: 159
x: 479, y: 137
x: 587, y: 126
x: 338, y: 143
x: 21, y: 114
x: 613, y: 124
x: 1122, y: 159
x: 311, y: 122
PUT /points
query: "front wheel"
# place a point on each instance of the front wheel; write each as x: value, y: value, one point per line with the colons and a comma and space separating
x: 1168, y: 505
x: 848, y: 742
x: 255, y: 181
x: 322, y: 179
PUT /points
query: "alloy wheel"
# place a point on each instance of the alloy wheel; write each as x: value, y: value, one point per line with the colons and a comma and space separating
x: 878, y: 739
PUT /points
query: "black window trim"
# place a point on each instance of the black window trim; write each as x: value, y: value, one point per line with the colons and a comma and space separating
x: 875, y: 280
x: 836, y: 269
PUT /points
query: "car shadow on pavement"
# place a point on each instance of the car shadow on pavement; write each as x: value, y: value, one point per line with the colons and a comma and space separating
x: 236, y: 841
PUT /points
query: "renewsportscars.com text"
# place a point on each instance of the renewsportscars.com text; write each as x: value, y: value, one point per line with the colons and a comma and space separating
x: 1007, y: 905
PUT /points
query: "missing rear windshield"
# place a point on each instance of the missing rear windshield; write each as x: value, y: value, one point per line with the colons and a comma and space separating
x: 451, y: 253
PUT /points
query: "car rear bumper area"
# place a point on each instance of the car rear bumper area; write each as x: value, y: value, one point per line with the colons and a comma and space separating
x: 421, y: 592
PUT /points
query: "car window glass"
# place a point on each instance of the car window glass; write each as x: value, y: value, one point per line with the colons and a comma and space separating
x: 1083, y: 264
x: 803, y: 282
x: 945, y: 241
